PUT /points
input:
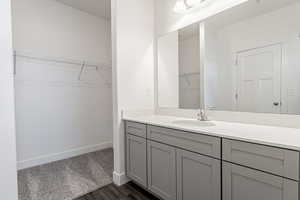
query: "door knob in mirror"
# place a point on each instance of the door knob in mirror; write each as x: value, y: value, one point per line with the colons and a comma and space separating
x: 276, y: 103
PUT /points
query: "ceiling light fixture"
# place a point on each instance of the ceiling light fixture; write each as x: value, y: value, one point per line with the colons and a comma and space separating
x: 182, y: 6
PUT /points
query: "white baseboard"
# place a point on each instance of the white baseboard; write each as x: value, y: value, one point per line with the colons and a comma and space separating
x: 120, y: 178
x: 63, y: 155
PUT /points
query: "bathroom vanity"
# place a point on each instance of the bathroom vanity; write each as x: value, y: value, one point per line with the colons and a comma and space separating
x: 185, y: 159
x: 242, y: 60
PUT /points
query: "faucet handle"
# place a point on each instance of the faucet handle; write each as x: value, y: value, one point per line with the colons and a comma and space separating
x: 202, y: 115
x: 202, y: 112
x: 199, y: 115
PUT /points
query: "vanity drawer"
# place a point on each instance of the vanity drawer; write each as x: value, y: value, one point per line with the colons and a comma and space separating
x: 202, y: 144
x: 274, y: 160
x: 136, y: 129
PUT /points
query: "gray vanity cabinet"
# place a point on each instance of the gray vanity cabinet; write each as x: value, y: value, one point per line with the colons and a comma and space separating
x: 136, y: 159
x: 241, y: 183
x: 178, y: 165
x: 162, y: 170
x: 198, y: 177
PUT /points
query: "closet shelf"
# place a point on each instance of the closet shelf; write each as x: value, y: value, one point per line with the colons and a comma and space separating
x: 63, y: 60
x: 84, y: 78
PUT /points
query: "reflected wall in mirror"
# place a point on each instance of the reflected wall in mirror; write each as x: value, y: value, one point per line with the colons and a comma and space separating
x: 179, y: 69
x: 252, y: 61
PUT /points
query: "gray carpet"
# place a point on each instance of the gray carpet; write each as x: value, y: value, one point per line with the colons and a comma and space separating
x: 67, y: 179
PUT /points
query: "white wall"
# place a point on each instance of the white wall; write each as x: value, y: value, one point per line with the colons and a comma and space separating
x: 59, y: 116
x: 168, y: 70
x: 267, y: 29
x: 8, y: 172
x: 133, y: 67
x: 47, y: 27
x: 218, y: 72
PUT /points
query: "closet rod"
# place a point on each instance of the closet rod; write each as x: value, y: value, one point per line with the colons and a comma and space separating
x: 54, y: 60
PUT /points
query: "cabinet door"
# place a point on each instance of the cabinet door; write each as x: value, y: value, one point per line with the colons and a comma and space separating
x: 198, y: 177
x: 162, y: 170
x: 136, y: 159
x: 240, y: 183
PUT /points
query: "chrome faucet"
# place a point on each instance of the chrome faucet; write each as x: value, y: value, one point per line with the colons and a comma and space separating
x: 201, y: 116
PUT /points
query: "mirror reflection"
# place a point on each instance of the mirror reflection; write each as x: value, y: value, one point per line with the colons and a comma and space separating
x: 179, y: 69
x: 252, y: 61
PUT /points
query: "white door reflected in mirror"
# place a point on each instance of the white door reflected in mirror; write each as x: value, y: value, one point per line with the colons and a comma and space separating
x: 258, y: 80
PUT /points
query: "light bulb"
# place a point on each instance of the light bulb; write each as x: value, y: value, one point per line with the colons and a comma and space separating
x: 180, y: 7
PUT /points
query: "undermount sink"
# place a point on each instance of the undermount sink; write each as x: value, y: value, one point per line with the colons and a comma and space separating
x: 193, y: 123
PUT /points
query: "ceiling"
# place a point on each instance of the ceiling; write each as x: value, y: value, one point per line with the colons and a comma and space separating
x: 246, y: 10
x: 99, y: 8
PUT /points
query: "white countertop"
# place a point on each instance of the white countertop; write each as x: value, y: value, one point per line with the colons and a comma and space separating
x: 288, y: 138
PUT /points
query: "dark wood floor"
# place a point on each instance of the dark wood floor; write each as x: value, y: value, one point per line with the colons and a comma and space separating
x: 129, y: 191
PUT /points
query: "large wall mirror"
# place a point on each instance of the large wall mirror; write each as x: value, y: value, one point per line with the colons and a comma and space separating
x: 251, y: 60
x: 179, y: 69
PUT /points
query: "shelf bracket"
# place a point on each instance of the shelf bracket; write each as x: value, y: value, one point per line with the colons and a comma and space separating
x: 81, y: 70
